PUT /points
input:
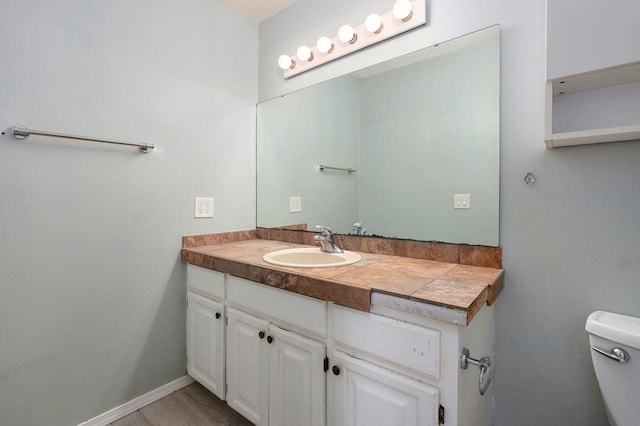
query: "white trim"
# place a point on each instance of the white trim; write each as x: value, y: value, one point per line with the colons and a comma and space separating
x: 138, y: 403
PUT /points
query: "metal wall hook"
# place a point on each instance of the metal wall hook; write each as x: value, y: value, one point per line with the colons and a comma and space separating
x: 529, y: 179
x: 484, y: 364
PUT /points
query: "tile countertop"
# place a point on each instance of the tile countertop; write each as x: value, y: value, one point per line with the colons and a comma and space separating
x: 444, y: 291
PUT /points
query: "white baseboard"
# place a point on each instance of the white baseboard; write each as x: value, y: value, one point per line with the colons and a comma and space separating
x: 137, y: 403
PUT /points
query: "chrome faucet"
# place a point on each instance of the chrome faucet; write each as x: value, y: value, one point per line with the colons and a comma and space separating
x: 326, y: 240
x: 357, y: 229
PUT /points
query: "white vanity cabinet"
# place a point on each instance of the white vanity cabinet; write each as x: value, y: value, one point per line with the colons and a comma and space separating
x: 205, y: 328
x: 365, y: 394
x: 205, y: 342
x: 247, y: 366
x: 396, y: 365
x: 288, y: 359
x: 296, y: 379
x: 378, y: 368
x: 275, y: 375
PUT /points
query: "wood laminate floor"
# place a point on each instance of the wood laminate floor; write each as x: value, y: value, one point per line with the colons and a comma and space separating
x: 192, y: 405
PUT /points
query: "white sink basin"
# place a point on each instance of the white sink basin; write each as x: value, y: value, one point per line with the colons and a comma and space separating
x: 310, y: 258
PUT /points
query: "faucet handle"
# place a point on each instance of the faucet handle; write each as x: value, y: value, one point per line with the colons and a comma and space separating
x: 324, y: 229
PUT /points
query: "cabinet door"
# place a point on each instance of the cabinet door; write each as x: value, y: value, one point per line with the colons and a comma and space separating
x: 247, y: 366
x: 367, y: 395
x: 205, y: 342
x: 296, y: 379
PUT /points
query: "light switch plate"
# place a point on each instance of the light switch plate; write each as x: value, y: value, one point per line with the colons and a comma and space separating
x: 462, y: 201
x: 203, y: 207
x: 295, y: 204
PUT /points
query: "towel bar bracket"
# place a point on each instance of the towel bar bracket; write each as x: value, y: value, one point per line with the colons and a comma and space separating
x: 20, y: 132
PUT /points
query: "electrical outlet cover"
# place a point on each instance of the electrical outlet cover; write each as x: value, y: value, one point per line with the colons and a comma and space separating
x: 203, y: 207
x: 462, y: 201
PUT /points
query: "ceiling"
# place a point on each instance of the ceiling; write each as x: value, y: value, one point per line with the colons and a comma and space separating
x: 258, y: 10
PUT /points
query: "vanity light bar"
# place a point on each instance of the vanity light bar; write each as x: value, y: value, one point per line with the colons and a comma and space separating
x: 406, y: 15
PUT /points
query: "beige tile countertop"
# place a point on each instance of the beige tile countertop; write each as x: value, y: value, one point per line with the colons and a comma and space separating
x: 450, y: 291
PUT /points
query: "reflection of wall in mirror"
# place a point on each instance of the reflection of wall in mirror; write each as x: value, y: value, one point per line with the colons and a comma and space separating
x: 416, y: 135
x: 445, y: 140
x: 297, y: 133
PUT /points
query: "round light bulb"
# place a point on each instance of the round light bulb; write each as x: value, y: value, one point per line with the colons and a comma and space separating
x: 373, y: 23
x: 346, y: 34
x: 402, y: 10
x: 285, y: 62
x: 304, y: 53
x: 324, y: 45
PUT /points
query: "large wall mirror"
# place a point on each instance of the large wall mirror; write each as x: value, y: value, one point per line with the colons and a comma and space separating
x: 416, y: 130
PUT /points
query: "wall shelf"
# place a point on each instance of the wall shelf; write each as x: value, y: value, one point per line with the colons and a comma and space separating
x: 581, y: 95
x: 586, y: 137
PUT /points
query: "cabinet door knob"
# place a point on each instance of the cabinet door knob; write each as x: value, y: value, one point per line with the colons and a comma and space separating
x: 217, y: 315
x: 261, y: 335
x: 336, y: 370
x: 269, y: 339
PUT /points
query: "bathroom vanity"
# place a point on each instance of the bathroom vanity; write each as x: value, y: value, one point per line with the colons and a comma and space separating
x: 381, y: 341
x: 363, y: 344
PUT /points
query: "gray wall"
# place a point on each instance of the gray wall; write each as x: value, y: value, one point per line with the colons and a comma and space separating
x: 570, y: 241
x: 92, y: 291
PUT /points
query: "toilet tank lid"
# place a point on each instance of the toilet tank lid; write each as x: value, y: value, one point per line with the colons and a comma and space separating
x: 617, y: 328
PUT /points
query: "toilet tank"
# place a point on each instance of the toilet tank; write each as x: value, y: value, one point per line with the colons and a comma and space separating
x: 618, y: 378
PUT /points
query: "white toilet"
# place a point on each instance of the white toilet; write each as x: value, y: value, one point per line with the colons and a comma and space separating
x: 615, y: 352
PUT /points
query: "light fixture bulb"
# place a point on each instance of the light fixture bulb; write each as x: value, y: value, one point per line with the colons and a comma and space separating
x: 324, y: 45
x: 373, y: 23
x: 346, y: 34
x: 304, y: 53
x: 285, y: 62
x: 402, y: 10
